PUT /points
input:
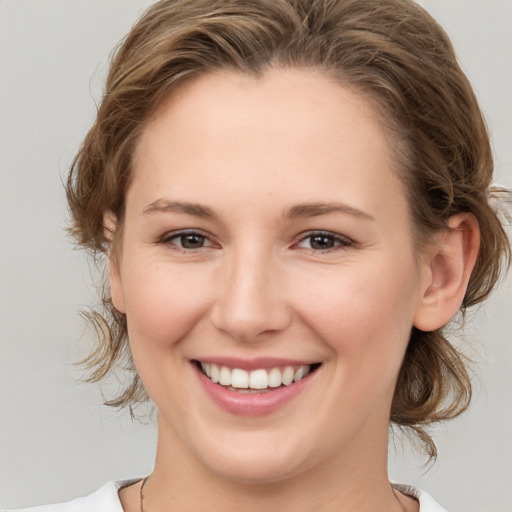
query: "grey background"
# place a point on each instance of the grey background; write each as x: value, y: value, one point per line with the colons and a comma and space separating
x: 56, y: 439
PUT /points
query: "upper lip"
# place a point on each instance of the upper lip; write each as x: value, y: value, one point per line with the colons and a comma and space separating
x: 255, y: 363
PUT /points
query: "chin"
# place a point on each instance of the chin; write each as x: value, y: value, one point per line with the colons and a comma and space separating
x: 255, y: 463
x: 261, y: 471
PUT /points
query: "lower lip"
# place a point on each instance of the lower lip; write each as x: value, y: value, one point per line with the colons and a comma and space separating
x: 253, y: 404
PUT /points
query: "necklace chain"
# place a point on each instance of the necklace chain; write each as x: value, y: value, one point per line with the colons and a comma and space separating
x: 141, y: 494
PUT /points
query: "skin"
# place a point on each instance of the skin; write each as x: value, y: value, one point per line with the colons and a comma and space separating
x: 249, y: 151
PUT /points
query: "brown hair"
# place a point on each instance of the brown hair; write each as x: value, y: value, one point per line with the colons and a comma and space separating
x: 393, y: 53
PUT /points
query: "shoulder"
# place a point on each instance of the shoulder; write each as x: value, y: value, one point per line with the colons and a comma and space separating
x: 105, y: 499
x: 427, y: 503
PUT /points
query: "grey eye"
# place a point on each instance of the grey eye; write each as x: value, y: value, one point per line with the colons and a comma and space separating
x: 190, y: 241
x: 322, y: 242
x: 187, y: 240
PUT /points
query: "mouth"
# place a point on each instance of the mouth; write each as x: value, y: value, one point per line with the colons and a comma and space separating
x: 257, y: 381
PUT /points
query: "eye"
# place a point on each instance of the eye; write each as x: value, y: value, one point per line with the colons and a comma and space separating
x: 188, y: 240
x: 324, y: 241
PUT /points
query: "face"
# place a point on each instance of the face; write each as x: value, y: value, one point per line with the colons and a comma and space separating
x: 266, y: 239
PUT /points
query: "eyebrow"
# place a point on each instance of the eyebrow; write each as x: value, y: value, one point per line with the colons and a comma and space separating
x: 298, y: 211
x: 166, y: 206
x: 315, y: 209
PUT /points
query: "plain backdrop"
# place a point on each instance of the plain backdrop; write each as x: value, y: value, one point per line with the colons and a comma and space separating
x: 57, y: 440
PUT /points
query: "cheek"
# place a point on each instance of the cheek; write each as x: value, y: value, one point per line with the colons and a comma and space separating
x: 361, y: 311
x: 163, y: 304
x: 365, y: 318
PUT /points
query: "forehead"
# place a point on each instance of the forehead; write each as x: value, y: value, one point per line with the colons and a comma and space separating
x: 296, y: 134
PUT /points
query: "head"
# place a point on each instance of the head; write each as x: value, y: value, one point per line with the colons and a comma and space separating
x: 394, y: 58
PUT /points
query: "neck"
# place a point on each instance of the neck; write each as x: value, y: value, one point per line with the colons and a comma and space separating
x: 353, y: 481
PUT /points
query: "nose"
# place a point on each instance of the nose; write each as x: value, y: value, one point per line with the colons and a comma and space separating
x: 250, y: 300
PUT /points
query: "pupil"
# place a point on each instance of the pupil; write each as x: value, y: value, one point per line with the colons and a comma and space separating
x: 322, y: 242
x: 192, y: 241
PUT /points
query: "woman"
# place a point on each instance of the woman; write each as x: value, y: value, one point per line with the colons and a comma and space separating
x: 293, y: 197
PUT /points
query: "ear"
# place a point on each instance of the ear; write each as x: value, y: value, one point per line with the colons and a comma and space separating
x: 449, y: 266
x: 114, y: 275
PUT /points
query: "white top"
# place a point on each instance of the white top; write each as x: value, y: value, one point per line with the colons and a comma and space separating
x: 106, y: 499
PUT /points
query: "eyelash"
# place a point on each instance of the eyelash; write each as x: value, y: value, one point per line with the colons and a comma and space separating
x: 339, y: 242
x: 169, y: 237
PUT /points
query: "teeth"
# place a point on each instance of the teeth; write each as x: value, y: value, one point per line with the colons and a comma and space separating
x: 207, y: 368
x: 298, y: 374
x: 274, y: 378
x: 225, y: 376
x: 239, y: 378
x: 257, y: 379
x: 288, y: 375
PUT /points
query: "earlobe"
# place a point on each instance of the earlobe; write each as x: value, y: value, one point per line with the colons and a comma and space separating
x: 116, y: 289
x: 109, y: 227
x: 449, y: 268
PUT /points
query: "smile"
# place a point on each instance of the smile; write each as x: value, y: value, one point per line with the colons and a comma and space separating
x: 256, y: 380
x: 258, y: 388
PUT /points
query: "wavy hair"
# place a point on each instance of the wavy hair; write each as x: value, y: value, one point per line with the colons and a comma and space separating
x: 390, y: 51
